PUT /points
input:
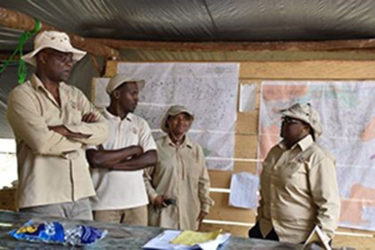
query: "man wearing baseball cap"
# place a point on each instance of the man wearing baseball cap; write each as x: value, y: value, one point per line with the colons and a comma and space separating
x: 52, y: 123
x: 117, y: 164
x: 298, y: 182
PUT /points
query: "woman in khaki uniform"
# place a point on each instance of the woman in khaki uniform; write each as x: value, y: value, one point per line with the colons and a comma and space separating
x: 178, y: 187
x: 298, y: 182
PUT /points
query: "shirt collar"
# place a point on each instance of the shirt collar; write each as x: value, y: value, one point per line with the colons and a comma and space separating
x: 187, y: 142
x: 109, y: 115
x: 37, y: 83
x: 303, y: 144
x: 129, y: 117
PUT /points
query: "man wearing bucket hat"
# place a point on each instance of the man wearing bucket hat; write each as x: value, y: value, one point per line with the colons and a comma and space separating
x: 298, y: 182
x: 178, y: 187
x: 117, y: 165
x: 52, y: 123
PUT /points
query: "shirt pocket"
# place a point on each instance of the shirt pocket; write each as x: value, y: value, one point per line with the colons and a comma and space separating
x: 52, y: 116
x: 193, y: 172
x: 291, y: 169
x: 192, y: 168
x: 72, y: 115
x: 165, y: 167
x: 295, y: 174
x: 167, y: 164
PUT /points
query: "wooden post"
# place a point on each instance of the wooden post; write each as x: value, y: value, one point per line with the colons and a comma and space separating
x: 17, y: 20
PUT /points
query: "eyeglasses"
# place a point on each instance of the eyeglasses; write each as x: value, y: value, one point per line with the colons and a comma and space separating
x: 62, y: 57
x: 289, y: 120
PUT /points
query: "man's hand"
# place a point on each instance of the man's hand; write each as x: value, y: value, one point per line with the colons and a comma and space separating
x: 201, y: 216
x: 138, y: 150
x: 89, y: 117
x: 62, y: 130
x: 159, y: 201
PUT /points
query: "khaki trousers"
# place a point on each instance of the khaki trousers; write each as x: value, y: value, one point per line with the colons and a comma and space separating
x: 132, y: 216
x: 76, y: 210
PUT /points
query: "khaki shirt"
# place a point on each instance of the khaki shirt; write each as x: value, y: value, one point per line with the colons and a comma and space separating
x: 181, y: 175
x: 52, y: 168
x: 298, y: 191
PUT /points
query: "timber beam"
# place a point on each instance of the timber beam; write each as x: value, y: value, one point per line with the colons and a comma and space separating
x: 339, y: 45
x: 17, y: 20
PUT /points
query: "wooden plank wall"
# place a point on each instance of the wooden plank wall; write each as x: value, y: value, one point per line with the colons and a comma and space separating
x: 236, y: 220
x: 8, y: 199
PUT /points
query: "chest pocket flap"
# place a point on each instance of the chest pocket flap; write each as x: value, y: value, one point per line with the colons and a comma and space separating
x: 293, y: 168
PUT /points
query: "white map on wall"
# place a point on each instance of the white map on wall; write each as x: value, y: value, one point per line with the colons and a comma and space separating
x: 207, y: 89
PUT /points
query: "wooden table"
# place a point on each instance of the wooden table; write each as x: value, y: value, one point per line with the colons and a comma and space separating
x: 120, y: 236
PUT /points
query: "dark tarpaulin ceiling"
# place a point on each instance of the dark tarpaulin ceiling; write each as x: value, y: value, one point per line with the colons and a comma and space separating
x: 206, y: 20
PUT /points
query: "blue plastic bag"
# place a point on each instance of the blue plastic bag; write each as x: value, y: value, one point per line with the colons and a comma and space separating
x: 58, y: 233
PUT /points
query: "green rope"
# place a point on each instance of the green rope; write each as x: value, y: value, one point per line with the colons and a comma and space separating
x: 22, y: 69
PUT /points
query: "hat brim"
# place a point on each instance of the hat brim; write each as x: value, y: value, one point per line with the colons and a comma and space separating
x: 164, y: 127
x: 140, y: 84
x: 293, y: 115
x: 30, y: 57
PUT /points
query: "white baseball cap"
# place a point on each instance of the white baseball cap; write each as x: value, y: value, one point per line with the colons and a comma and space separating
x: 55, y: 40
x: 120, y: 79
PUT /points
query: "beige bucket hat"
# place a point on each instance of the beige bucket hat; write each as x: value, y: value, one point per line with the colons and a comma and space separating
x: 55, y: 40
x: 119, y: 79
x: 172, y: 111
x: 305, y: 112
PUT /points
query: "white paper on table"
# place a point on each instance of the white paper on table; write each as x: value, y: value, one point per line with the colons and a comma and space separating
x: 248, y: 95
x: 213, y: 244
x: 162, y: 241
x: 317, y: 236
x: 243, y: 190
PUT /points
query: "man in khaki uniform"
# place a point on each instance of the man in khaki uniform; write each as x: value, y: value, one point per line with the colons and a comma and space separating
x: 117, y: 164
x: 178, y: 187
x: 298, y: 182
x: 52, y: 123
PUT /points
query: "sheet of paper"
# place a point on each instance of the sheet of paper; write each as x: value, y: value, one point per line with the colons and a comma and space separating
x: 318, y: 237
x: 191, y: 238
x: 214, y: 244
x: 243, y: 190
x: 248, y: 95
x: 162, y: 241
